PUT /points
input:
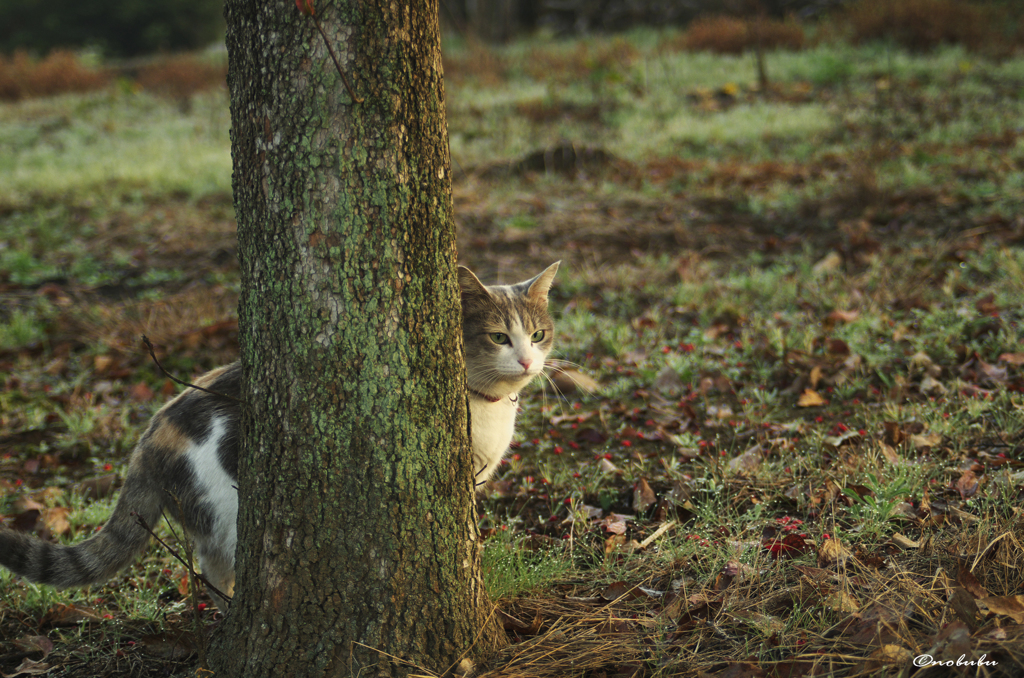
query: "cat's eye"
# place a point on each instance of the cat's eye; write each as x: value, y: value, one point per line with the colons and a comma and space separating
x: 537, y: 336
x: 499, y: 338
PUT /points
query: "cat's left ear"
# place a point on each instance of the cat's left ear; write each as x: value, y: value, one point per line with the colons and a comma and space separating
x: 537, y: 288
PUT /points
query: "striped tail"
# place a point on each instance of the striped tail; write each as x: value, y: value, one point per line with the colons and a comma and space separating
x: 92, y: 561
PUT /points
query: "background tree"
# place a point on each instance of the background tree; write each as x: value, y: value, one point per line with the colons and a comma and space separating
x: 356, y: 526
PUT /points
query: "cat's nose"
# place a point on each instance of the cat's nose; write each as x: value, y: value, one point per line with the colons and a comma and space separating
x: 525, y: 362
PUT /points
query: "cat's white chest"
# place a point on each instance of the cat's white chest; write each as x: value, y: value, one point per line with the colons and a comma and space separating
x: 491, y: 428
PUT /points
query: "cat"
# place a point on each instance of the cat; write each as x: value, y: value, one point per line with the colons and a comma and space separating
x: 187, y: 457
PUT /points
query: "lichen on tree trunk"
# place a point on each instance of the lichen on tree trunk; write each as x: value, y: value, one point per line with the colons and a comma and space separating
x: 356, y: 530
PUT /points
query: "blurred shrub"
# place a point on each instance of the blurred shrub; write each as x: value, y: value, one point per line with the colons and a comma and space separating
x: 731, y: 35
x: 181, y: 77
x: 116, y: 27
x: 920, y: 24
x: 590, y: 62
x: 22, y: 77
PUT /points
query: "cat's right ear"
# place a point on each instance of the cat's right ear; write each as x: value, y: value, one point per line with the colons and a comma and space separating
x: 469, y: 284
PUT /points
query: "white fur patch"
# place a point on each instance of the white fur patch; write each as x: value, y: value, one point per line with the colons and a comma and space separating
x: 218, y: 489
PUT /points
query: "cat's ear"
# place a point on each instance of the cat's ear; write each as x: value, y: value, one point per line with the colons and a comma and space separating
x: 469, y: 283
x: 537, y: 288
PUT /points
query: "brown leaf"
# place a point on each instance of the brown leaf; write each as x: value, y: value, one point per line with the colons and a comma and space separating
x: 615, y: 523
x: 1011, y: 606
x: 1012, y: 358
x: 56, y: 520
x: 889, y: 452
x: 510, y: 623
x: 923, y: 440
x: 28, y: 668
x: 141, y: 392
x: 967, y: 579
x: 169, y: 645
x: 614, y: 542
x: 643, y: 496
x: 832, y: 552
x: 34, y: 644
x: 70, y: 615
x: 569, y: 380
x: 98, y: 487
x: 964, y: 606
x: 893, y: 433
x: 888, y: 655
x: 967, y: 485
x: 810, y: 398
x: 839, y: 316
x: 741, y: 670
x: 815, y: 376
x: 953, y: 641
x: 617, y: 590
x: 838, y: 347
x: 747, y: 462
x: 905, y: 542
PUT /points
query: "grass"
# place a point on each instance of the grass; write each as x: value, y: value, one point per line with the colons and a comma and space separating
x: 802, y: 306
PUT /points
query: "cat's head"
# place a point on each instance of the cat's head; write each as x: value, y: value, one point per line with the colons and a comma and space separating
x: 507, y: 331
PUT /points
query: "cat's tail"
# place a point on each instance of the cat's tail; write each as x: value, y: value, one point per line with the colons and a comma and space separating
x: 96, y: 559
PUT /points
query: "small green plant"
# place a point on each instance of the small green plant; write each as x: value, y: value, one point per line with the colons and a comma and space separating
x: 875, y: 509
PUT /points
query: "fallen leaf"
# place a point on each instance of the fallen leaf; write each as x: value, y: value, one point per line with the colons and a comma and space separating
x: 839, y: 316
x: 964, y: 606
x: 141, y: 392
x: 34, y: 644
x: 1011, y: 606
x: 832, y: 552
x: 569, y: 380
x: 967, y: 579
x: 888, y: 655
x: 69, y: 615
x: 169, y: 645
x: 931, y: 387
x: 614, y: 542
x: 967, y: 485
x: 56, y: 520
x: 747, y: 462
x: 617, y: 590
x: 98, y: 487
x: 905, y: 542
x: 608, y: 467
x: 615, y: 523
x: 28, y: 668
x: 829, y: 262
x: 789, y: 546
x: 643, y: 496
x: 1012, y: 358
x: 841, y: 601
x: 667, y: 382
x: 889, y: 452
x: 922, y: 440
x: 810, y: 398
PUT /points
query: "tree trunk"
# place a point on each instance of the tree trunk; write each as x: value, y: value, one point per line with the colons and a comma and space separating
x: 357, y: 541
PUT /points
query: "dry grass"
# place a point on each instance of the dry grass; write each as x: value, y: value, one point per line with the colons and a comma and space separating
x: 22, y: 77
x: 731, y: 35
x: 854, y: 613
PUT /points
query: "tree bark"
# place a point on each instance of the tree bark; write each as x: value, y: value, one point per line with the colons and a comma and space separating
x: 357, y: 542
